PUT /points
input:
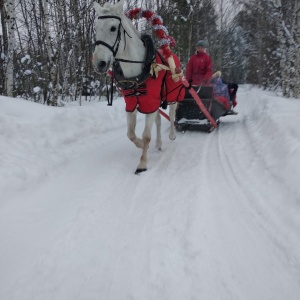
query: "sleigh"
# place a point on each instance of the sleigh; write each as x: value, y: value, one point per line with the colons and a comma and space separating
x: 189, y: 116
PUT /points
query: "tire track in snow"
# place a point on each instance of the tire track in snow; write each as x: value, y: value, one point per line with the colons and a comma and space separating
x: 223, y: 173
x: 260, y: 217
x: 257, y: 180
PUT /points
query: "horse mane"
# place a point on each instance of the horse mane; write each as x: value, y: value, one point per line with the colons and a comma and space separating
x: 130, y: 24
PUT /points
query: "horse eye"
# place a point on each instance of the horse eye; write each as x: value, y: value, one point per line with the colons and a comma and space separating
x: 113, y: 29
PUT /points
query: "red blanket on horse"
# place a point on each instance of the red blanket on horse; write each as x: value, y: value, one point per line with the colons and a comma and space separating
x: 148, y: 97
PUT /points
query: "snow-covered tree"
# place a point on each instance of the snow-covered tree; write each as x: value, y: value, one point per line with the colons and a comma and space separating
x: 3, y: 46
x: 9, y: 56
x: 297, y: 39
x: 255, y: 41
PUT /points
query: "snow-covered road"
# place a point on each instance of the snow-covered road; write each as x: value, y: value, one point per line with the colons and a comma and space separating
x: 216, y: 216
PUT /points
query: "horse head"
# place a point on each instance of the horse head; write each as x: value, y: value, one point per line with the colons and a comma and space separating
x: 116, y: 38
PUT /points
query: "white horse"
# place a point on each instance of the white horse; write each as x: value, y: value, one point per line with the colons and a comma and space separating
x: 118, y: 40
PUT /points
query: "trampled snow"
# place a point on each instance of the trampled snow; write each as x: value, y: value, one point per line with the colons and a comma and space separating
x: 215, y: 217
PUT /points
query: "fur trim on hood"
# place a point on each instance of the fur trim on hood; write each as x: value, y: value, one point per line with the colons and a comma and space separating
x: 217, y: 74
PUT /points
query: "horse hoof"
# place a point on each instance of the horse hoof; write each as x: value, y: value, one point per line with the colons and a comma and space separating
x: 158, y: 147
x: 172, y: 137
x: 138, y: 171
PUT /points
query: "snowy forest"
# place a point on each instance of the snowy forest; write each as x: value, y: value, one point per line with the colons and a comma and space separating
x: 46, y: 45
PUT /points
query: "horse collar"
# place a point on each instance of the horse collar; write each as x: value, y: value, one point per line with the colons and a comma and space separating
x: 134, y: 82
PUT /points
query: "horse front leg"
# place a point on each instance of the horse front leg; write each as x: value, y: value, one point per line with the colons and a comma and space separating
x: 142, y: 166
x: 172, y: 111
x: 131, y: 123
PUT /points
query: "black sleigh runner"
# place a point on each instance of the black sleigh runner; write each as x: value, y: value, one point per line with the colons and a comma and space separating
x: 218, y: 98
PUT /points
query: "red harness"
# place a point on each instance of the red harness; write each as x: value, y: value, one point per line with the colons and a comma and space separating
x: 148, y: 97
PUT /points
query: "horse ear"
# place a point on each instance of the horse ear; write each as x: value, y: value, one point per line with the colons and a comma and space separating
x: 119, y: 5
x: 97, y: 8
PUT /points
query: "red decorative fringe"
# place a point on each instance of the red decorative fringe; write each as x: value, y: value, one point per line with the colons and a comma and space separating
x: 166, y: 50
x: 155, y: 20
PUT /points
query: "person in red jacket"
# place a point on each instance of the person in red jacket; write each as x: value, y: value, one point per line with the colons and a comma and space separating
x: 199, y: 68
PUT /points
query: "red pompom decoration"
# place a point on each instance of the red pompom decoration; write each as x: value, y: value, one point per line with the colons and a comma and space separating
x: 160, y: 30
x: 148, y: 14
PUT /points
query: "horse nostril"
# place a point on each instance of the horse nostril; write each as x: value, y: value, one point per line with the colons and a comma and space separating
x: 101, y: 65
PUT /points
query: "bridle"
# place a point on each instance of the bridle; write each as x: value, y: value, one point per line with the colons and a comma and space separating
x: 115, y: 48
x: 118, y: 39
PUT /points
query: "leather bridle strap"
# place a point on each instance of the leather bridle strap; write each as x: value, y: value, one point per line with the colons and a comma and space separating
x: 117, y: 42
x: 118, y: 39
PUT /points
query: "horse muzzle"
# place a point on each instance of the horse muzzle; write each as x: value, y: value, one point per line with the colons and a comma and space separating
x: 101, y: 66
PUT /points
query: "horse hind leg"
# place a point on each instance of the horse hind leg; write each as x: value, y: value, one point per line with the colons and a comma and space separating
x: 172, y: 112
x: 158, y: 142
